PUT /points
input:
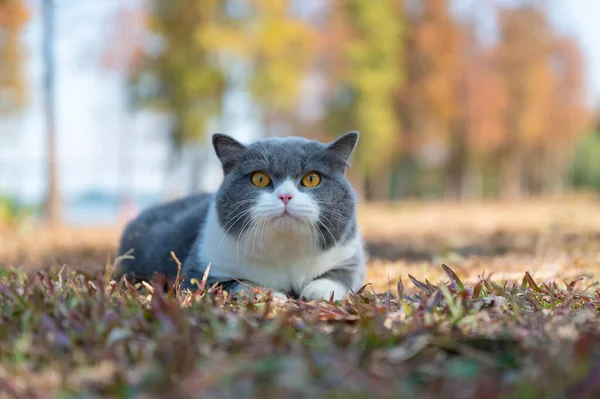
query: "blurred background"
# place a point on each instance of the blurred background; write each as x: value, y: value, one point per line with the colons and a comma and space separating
x: 108, y: 106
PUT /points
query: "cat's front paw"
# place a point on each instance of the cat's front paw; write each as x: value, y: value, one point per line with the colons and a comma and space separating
x: 279, y: 297
x: 248, y: 289
x: 322, y: 289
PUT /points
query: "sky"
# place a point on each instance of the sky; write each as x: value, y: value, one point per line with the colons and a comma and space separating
x: 90, y: 117
x: 581, y: 17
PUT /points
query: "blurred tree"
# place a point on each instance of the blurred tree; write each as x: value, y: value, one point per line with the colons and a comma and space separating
x: 179, y: 73
x: 53, y: 197
x: 436, y: 105
x: 124, y: 48
x: 524, y: 45
x: 585, y: 170
x: 480, y: 127
x: 277, y: 49
x: 13, y: 16
x: 123, y: 53
x: 366, y: 84
x: 485, y: 105
x: 568, y: 116
x: 434, y: 57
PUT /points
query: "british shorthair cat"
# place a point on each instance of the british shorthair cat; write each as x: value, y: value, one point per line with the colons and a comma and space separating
x: 284, y: 218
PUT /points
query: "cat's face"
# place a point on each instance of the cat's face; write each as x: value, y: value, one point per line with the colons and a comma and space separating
x: 288, y: 186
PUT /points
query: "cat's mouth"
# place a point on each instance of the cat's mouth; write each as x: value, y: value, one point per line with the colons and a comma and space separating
x: 287, y: 216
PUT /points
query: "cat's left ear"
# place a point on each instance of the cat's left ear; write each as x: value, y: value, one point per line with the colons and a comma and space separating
x: 228, y: 150
x: 344, y: 146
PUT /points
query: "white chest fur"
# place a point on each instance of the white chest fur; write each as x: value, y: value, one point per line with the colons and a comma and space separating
x: 283, y: 260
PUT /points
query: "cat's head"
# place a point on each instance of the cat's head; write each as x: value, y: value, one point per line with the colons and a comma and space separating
x: 287, y: 185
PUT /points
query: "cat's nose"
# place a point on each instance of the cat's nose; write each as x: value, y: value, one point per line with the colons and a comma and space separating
x: 285, y: 198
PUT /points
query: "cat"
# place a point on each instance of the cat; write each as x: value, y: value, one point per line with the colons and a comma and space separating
x: 284, y: 218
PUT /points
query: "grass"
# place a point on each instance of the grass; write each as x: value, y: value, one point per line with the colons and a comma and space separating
x: 457, y: 317
x: 69, y: 335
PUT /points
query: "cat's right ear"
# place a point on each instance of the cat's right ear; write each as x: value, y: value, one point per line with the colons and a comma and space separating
x: 343, y: 147
x: 228, y: 150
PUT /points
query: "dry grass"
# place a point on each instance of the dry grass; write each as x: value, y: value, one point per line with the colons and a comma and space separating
x: 481, y: 328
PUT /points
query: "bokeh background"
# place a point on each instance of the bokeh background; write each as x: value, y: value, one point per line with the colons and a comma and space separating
x: 478, y: 118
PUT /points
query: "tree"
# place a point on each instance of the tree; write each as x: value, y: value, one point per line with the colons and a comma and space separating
x: 485, y: 106
x: 179, y: 73
x: 367, y: 84
x: 435, y: 56
x: 525, y: 39
x: 13, y: 16
x: 276, y: 48
x: 123, y: 53
x: 53, y: 200
x: 568, y: 116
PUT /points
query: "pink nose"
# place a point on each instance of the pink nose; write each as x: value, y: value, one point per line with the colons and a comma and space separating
x: 286, y: 198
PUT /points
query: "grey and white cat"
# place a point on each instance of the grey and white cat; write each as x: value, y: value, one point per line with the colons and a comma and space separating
x: 283, y: 218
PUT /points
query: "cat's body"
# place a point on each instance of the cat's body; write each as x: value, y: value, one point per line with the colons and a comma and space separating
x: 283, y: 218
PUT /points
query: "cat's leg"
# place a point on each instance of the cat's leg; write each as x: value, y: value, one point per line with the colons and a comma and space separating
x: 193, y: 269
x: 237, y: 288
x: 336, y: 281
x: 322, y: 288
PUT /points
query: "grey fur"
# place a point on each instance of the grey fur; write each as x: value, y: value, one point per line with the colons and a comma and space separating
x: 177, y: 226
x: 157, y: 231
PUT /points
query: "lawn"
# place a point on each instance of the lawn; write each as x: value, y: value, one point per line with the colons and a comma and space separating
x: 463, y: 300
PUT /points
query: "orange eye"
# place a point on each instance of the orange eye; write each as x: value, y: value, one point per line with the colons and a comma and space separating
x: 311, y: 179
x: 261, y: 179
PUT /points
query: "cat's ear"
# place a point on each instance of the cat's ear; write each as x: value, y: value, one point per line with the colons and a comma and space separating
x: 228, y: 150
x: 343, y: 147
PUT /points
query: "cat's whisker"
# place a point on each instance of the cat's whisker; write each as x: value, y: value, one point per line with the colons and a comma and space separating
x: 232, y: 223
x: 255, y: 226
x: 250, y: 223
x: 321, y: 233
x: 329, y: 202
x: 333, y: 211
x: 327, y: 228
x: 237, y: 205
x: 311, y: 235
x: 235, y: 219
x: 263, y: 226
x: 306, y: 225
x: 229, y: 225
x: 255, y: 233
x: 336, y: 215
x: 314, y: 231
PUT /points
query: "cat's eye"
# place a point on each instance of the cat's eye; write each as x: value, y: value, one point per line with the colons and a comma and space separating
x: 311, y: 179
x: 261, y: 179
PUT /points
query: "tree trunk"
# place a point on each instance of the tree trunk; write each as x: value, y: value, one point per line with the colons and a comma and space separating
x: 53, y: 199
x: 358, y: 181
x: 472, y: 180
x: 510, y: 175
x: 405, y: 174
x: 377, y: 185
x: 455, y: 168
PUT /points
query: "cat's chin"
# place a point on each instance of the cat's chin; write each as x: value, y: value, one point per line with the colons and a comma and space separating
x: 286, y: 221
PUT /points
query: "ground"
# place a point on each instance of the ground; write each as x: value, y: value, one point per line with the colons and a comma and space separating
x: 464, y: 300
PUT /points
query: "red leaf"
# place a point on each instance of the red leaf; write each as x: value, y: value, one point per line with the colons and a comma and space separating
x: 531, y: 282
x: 419, y: 284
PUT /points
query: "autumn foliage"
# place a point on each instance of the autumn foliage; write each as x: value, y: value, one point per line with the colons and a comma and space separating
x: 13, y: 16
x: 444, y: 109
